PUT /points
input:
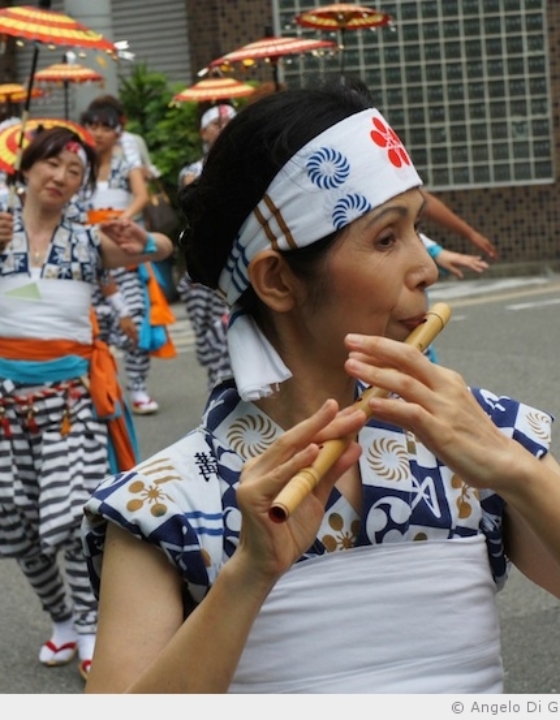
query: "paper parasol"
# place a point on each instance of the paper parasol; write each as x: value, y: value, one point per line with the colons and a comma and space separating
x: 213, y: 89
x: 16, y: 93
x: 10, y: 137
x: 50, y: 28
x: 65, y: 73
x: 342, y: 17
x: 45, y: 26
x: 271, y: 49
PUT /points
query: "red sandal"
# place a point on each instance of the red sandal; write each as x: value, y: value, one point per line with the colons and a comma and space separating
x: 59, y: 654
x: 85, y: 666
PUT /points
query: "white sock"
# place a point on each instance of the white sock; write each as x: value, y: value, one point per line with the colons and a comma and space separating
x: 62, y: 633
x: 86, y: 645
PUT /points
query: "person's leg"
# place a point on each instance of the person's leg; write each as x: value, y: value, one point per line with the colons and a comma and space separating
x: 43, y: 574
x: 137, y: 367
x: 85, y: 603
x: 137, y: 361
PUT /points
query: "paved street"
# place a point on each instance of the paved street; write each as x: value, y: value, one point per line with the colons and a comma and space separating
x: 503, y: 335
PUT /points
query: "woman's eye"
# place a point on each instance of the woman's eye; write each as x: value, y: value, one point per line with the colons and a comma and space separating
x: 386, y: 241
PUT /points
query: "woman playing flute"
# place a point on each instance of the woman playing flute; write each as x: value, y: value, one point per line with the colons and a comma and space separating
x: 305, y: 218
x: 62, y: 415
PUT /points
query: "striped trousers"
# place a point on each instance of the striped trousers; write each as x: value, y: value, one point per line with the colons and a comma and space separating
x: 136, y: 361
x: 53, y: 454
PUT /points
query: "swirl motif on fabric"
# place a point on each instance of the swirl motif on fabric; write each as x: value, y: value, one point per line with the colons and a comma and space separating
x: 327, y: 168
x: 536, y: 420
x: 388, y: 459
x: 386, y: 137
x: 349, y: 208
x: 250, y: 436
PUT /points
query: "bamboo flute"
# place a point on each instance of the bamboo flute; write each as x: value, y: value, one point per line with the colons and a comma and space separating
x: 308, y: 478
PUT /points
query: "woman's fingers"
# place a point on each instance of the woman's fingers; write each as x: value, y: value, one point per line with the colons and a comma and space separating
x: 298, y: 447
x: 431, y: 401
x: 326, y: 423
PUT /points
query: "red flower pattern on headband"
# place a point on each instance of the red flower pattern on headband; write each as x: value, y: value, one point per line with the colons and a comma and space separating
x: 73, y: 147
x: 386, y: 137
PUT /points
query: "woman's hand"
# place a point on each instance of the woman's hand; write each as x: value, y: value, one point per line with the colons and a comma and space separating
x: 124, y: 242
x: 125, y: 233
x: 437, y: 406
x: 270, y: 547
x: 128, y: 327
x: 6, y: 230
x: 454, y: 262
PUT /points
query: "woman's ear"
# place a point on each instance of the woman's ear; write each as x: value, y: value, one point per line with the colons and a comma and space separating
x: 272, y: 280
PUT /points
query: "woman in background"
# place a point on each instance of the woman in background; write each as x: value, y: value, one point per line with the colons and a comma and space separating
x: 62, y: 421
x: 122, y: 191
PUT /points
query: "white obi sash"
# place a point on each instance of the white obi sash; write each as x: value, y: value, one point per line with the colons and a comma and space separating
x: 397, y: 618
x: 108, y: 197
x: 45, y: 309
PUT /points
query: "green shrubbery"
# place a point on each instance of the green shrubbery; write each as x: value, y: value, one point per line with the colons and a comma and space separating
x: 171, y: 133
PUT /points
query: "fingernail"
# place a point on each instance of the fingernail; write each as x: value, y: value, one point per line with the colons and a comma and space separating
x: 354, y: 339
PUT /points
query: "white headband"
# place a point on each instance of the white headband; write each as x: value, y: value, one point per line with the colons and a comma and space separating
x: 222, y: 112
x: 343, y: 173
x: 74, y: 146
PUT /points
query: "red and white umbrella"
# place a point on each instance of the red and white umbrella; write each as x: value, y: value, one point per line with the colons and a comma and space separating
x: 11, y: 132
x: 16, y: 93
x: 214, y: 89
x: 66, y: 72
x: 342, y: 17
x: 271, y: 49
x: 50, y: 28
x: 44, y: 26
x: 63, y: 74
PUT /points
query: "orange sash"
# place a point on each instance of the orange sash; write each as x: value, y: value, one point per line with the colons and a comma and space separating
x: 160, y: 314
x: 104, y: 387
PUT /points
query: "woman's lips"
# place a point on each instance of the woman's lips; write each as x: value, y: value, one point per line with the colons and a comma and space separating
x: 413, y: 322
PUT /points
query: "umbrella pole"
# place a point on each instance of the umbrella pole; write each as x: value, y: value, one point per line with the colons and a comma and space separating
x: 66, y: 99
x: 24, y: 117
x: 341, y: 45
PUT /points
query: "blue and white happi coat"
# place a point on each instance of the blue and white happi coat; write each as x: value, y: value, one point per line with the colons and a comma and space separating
x: 183, y: 499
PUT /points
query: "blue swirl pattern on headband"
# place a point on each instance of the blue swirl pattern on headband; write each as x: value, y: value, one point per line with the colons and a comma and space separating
x: 237, y: 265
x: 348, y: 209
x: 327, y: 168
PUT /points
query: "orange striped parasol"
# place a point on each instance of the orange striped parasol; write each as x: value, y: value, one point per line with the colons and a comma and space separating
x: 214, y: 89
x: 271, y: 49
x: 10, y: 137
x: 54, y: 29
x: 342, y: 17
x: 16, y: 93
x: 66, y: 72
x: 50, y: 28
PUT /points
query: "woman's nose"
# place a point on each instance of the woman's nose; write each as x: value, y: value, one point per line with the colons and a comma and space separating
x: 425, y: 272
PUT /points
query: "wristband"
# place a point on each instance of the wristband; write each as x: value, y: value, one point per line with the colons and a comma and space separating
x: 434, y: 250
x: 150, y: 248
x: 118, y: 303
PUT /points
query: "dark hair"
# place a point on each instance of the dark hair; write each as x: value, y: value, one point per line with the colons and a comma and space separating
x: 241, y: 164
x: 102, y: 114
x: 50, y: 143
x: 108, y: 101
